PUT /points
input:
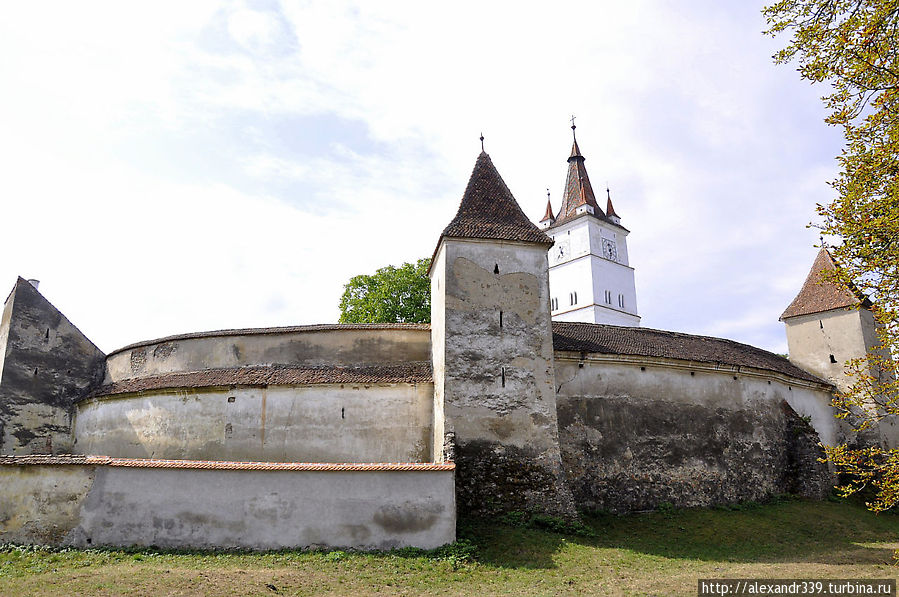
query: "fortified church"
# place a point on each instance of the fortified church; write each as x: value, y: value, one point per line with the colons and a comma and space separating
x: 533, y: 389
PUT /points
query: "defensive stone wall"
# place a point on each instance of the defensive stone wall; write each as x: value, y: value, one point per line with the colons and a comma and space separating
x: 350, y: 422
x: 636, y: 432
x: 46, y: 364
x: 345, y: 345
x: 89, y: 502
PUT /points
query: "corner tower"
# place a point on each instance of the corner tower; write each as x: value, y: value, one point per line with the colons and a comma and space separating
x: 590, y: 278
x: 828, y: 325
x: 492, y: 351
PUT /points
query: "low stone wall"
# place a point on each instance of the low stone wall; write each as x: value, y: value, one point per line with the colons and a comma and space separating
x: 316, y: 423
x: 97, y: 501
x: 639, y: 432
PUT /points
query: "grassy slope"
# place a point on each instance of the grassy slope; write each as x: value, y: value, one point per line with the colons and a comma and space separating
x: 657, y: 554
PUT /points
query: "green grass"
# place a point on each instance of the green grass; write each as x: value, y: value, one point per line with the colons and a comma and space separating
x: 660, y: 553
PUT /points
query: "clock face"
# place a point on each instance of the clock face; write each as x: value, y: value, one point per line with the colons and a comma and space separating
x: 609, y: 250
x: 561, y: 252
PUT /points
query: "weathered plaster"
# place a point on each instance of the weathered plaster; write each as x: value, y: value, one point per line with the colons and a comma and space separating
x: 636, y: 434
x: 88, y: 506
x: 335, y: 347
x: 493, y: 370
x: 42, y: 504
x: 47, y: 365
x: 319, y: 423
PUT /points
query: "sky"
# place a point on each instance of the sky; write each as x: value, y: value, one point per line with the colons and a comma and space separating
x: 169, y: 167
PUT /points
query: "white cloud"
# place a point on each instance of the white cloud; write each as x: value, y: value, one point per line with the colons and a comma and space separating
x: 151, y: 199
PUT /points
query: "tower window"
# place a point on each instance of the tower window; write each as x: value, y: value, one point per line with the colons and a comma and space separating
x: 621, y: 301
x: 573, y: 298
x: 608, y: 297
x: 554, y: 304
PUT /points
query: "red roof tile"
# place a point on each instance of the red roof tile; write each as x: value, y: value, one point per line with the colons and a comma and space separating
x: 613, y: 339
x: 818, y: 294
x: 549, y: 211
x: 272, y: 375
x: 610, y: 211
x: 489, y: 211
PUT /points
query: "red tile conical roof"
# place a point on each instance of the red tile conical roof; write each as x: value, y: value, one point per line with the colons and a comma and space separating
x: 549, y: 211
x: 818, y: 294
x: 610, y: 211
x: 489, y: 211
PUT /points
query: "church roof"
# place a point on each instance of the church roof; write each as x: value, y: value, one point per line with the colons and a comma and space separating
x: 489, y: 211
x: 818, y: 294
x: 613, y: 339
x: 578, y: 191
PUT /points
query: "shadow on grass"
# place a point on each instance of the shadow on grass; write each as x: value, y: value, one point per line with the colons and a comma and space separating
x: 796, y: 531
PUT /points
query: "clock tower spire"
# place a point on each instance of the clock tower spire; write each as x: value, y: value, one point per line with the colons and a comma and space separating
x: 590, y: 278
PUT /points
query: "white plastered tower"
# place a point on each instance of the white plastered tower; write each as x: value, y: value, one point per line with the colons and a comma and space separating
x: 826, y: 327
x: 590, y: 277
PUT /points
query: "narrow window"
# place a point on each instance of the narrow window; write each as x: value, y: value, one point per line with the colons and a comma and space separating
x: 821, y: 324
x: 833, y: 359
x: 608, y: 297
x: 500, y: 319
x: 504, y: 377
x: 342, y: 412
x: 495, y: 268
x: 621, y: 301
x: 575, y: 298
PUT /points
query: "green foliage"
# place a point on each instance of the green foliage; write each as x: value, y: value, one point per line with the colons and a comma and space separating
x: 390, y: 295
x: 546, y: 522
x: 666, y: 508
x: 853, y: 45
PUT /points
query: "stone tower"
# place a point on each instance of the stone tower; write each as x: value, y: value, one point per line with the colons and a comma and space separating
x: 493, y: 355
x: 590, y: 278
x: 827, y: 326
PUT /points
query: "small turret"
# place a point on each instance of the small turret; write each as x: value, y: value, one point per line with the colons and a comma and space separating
x: 548, y: 218
x: 610, y: 211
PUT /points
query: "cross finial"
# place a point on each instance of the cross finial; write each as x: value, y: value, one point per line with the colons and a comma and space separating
x: 547, y: 193
x: 482, y: 141
x: 573, y: 136
x: 608, y: 193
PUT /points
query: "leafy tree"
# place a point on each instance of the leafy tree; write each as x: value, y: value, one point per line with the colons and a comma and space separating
x: 390, y: 295
x: 853, y: 45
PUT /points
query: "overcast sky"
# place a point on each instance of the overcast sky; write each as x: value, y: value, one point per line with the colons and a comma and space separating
x: 186, y: 166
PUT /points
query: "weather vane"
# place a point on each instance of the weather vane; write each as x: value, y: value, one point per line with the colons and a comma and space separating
x: 482, y: 141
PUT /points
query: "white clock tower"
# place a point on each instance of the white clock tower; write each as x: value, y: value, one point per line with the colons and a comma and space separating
x: 590, y: 279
